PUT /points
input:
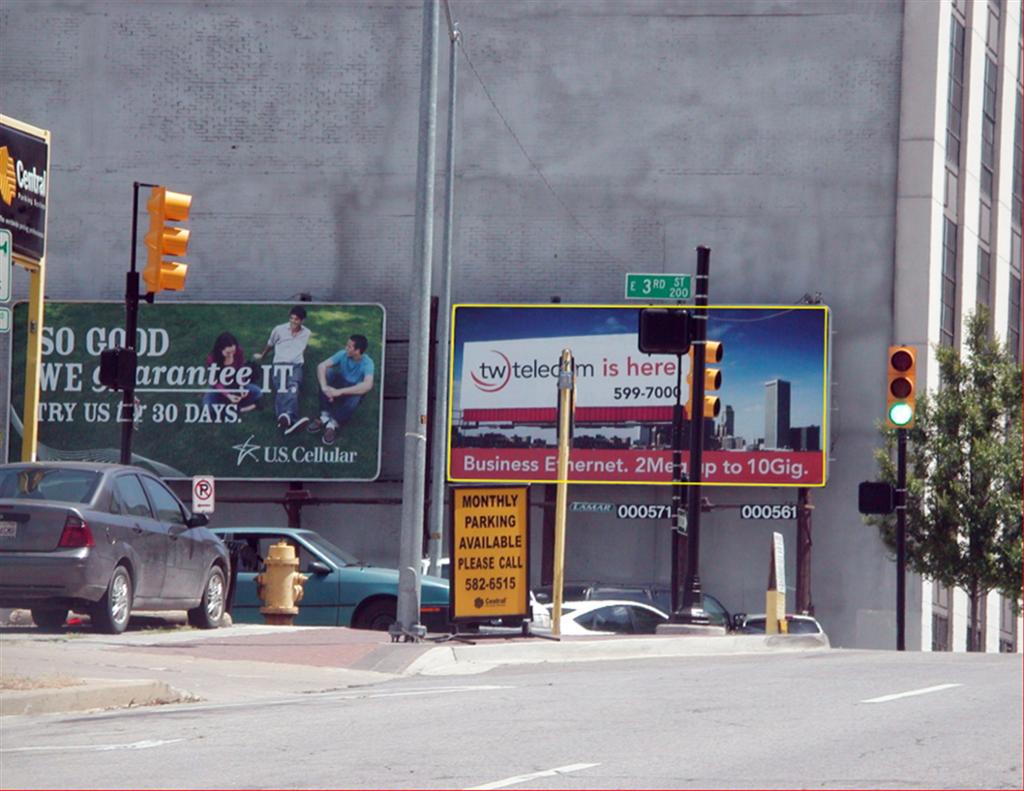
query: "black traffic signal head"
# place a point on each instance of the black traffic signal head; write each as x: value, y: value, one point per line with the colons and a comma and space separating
x: 875, y: 497
x: 117, y: 368
x: 664, y: 331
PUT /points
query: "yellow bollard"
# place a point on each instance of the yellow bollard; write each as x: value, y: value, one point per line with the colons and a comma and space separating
x: 280, y: 586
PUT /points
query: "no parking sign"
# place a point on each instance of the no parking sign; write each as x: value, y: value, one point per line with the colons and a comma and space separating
x: 202, y: 494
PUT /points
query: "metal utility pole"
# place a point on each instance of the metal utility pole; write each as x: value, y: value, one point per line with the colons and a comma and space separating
x: 692, y: 611
x: 407, y: 625
x: 435, y: 543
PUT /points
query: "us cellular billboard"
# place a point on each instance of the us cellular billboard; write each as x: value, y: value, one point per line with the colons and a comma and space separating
x: 772, y: 429
x: 226, y: 389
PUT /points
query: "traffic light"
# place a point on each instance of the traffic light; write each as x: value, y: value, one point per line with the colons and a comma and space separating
x: 664, y: 331
x: 713, y: 351
x: 901, y: 390
x: 163, y: 240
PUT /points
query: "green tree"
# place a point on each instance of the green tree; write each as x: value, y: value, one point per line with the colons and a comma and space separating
x: 964, y: 473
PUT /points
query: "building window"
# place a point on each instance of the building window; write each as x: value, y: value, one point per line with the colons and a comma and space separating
x: 947, y: 313
x: 992, y: 37
x: 1013, y: 327
x: 988, y: 128
x: 952, y: 196
x: 1007, y: 626
x: 1018, y: 166
x: 985, y: 281
x: 955, y: 100
x: 942, y: 604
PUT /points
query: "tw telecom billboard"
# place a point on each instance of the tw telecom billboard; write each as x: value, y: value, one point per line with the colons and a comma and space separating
x: 772, y: 430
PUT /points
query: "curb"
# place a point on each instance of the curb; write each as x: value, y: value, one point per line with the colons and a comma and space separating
x: 92, y: 693
x: 470, y: 659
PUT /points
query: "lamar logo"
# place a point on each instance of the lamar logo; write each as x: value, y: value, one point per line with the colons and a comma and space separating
x: 493, y: 377
x: 8, y: 179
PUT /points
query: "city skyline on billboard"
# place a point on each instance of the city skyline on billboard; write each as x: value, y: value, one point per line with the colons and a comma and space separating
x: 772, y: 428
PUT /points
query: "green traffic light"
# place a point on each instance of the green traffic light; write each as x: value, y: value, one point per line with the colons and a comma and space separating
x: 901, y: 413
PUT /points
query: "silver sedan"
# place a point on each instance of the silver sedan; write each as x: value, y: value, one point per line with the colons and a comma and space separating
x: 104, y: 539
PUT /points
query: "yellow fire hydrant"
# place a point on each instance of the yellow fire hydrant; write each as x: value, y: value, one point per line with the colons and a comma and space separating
x: 280, y: 586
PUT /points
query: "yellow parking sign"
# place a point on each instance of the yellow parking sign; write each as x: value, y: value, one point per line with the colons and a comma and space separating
x: 490, y: 567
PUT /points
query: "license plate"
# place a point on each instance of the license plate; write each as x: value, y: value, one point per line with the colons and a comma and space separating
x: 8, y: 529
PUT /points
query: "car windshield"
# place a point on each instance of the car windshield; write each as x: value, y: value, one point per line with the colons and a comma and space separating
x: 42, y: 483
x: 338, y: 556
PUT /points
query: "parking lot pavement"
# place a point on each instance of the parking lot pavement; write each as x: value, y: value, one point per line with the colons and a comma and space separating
x: 159, y: 660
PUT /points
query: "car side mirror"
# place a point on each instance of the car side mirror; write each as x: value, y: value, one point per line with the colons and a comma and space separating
x: 319, y: 568
x: 737, y: 620
x: 197, y: 520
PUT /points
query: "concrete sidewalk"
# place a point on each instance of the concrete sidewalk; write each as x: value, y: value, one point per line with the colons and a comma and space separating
x: 77, y: 669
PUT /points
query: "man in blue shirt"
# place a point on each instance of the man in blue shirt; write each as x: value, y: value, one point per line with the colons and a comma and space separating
x: 345, y: 377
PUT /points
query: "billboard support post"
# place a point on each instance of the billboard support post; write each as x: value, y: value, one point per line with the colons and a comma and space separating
x: 691, y: 611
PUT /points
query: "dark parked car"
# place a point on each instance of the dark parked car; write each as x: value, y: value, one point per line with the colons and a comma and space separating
x: 341, y: 589
x: 104, y: 539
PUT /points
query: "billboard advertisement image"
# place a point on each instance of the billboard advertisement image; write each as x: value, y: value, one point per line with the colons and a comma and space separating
x: 234, y: 390
x: 771, y: 430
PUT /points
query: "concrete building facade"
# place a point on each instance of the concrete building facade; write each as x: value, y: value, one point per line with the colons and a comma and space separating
x: 866, y: 154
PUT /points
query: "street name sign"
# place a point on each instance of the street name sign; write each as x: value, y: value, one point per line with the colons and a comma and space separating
x: 658, y: 286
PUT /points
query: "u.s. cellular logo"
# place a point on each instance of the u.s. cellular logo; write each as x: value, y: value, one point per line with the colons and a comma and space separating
x: 8, y: 178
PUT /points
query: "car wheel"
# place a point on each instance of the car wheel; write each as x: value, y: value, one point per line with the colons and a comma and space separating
x: 49, y: 619
x: 210, y: 612
x: 112, y: 611
x: 377, y: 615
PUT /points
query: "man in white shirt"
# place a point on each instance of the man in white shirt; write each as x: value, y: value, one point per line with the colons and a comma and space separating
x: 289, y: 344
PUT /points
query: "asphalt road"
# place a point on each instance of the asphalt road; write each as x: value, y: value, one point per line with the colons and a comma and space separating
x: 836, y: 719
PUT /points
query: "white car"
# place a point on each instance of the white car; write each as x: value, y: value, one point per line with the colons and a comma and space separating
x: 610, y: 617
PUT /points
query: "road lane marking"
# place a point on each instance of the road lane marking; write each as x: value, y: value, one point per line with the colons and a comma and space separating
x: 307, y: 697
x: 508, y: 781
x: 143, y: 745
x: 911, y: 693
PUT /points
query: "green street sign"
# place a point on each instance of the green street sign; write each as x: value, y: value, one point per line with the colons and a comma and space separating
x: 6, y: 250
x: 658, y: 286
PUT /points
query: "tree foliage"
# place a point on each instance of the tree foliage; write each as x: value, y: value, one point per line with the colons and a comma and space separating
x: 964, y: 475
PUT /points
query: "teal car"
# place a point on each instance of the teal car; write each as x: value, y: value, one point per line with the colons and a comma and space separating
x: 341, y: 590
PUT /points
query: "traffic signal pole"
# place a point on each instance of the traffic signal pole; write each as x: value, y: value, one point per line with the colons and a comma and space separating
x: 691, y: 611
x: 901, y: 538
x: 131, y: 325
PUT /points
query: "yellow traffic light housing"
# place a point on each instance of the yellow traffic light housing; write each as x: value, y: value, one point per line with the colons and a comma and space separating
x: 712, y: 380
x: 166, y: 240
x: 901, y: 387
